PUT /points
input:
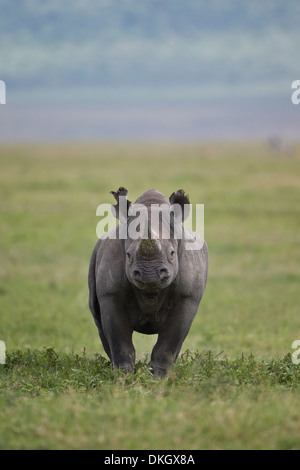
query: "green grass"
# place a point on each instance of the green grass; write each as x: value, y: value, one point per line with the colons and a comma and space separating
x: 240, y: 390
x: 70, y: 401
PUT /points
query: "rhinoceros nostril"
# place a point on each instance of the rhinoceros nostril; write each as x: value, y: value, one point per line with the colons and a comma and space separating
x: 163, y: 273
x: 137, y: 275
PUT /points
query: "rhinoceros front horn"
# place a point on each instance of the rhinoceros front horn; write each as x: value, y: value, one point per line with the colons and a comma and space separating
x: 149, y: 248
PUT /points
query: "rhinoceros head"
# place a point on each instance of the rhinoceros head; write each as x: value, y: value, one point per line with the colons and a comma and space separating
x: 154, y: 227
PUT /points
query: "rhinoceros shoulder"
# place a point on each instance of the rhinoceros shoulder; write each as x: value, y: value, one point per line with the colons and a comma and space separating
x: 110, y: 267
x: 193, y: 269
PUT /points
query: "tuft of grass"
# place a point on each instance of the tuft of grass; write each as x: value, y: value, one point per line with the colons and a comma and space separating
x: 36, y: 372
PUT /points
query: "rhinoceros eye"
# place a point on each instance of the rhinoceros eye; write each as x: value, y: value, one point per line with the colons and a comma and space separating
x: 128, y: 256
x: 172, y: 254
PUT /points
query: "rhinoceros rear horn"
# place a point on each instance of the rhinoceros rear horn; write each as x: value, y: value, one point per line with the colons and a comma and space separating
x: 180, y: 204
x: 120, y: 210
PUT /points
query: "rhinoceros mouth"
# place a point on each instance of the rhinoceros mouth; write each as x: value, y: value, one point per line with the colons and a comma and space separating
x: 152, y: 289
x: 150, y: 296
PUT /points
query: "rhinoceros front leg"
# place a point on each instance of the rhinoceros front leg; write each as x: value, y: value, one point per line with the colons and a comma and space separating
x: 118, y: 334
x: 171, y: 336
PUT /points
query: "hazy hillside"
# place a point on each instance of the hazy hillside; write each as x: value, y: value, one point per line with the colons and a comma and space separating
x: 150, y: 44
x: 149, y: 68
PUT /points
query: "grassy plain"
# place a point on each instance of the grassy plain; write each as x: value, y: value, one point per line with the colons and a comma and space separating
x: 240, y: 390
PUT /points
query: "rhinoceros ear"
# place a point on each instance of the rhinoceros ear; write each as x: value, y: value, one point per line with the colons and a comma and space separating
x: 180, y: 204
x: 120, y: 210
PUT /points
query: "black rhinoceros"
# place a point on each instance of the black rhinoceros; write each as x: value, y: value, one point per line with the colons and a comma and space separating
x: 147, y: 282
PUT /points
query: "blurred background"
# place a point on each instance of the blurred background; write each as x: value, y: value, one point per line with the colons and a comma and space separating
x: 151, y: 69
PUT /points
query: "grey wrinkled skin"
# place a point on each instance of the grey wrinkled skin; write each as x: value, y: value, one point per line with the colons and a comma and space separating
x: 149, y: 286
